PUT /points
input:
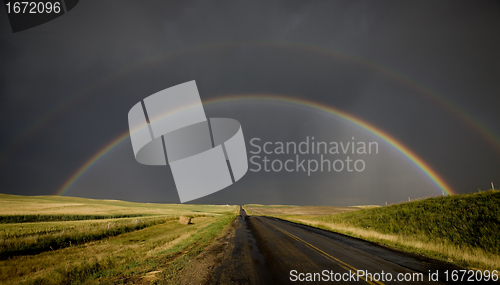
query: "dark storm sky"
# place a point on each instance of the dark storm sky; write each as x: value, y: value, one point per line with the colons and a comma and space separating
x: 66, y: 88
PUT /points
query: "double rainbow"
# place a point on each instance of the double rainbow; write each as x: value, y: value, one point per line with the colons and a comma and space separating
x: 286, y: 101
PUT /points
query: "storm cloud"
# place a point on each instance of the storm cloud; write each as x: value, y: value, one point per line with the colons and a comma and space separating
x: 425, y: 73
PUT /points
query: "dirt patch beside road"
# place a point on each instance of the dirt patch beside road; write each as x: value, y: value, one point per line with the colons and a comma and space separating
x: 200, y: 269
x: 233, y: 258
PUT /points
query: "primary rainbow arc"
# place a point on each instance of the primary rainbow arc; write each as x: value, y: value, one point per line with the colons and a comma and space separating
x: 279, y: 100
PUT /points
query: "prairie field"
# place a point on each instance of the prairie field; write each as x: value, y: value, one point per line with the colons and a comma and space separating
x: 460, y: 229
x: 66, y: 240
x: 61, y: 205
x: 270, y: 210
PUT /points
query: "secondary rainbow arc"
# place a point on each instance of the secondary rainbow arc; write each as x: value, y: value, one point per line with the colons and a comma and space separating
x: 480, y: 127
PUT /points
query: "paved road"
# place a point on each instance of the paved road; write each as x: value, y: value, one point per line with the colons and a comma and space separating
x: 268, y: 250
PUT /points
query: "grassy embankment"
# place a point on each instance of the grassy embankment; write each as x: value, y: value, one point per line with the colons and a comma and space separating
x: 460, y: 229
x: 120, y: 242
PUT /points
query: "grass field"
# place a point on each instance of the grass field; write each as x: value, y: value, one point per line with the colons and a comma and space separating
x: 118, y: 243
x: 461, y: 229
x: 60, y: 205
x: 254, y: 209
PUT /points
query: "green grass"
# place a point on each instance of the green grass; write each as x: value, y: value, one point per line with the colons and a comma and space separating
x: 471, y: 220
x: 7, y: 219
x: 54, y: 238
x: 461, y: 229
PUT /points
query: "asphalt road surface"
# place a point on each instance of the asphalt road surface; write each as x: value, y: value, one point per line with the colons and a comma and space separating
x: 272, y: 251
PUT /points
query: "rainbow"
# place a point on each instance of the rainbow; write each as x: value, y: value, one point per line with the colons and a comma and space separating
x: 278, y: 100
x: 490, y: 136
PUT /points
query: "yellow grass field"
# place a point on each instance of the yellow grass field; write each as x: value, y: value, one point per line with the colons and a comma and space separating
x: 51, y: 205
x: 150, y: 247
